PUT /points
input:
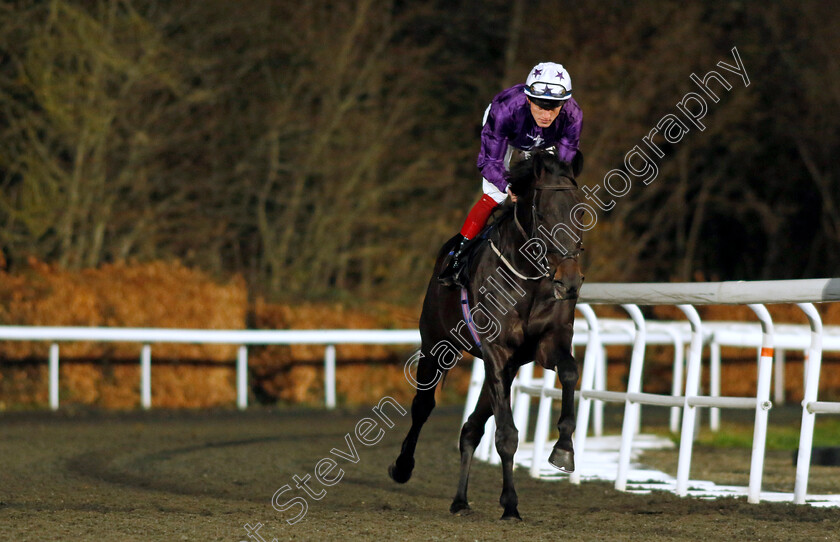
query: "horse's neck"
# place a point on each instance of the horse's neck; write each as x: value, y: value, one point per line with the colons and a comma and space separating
x: 510, y: 239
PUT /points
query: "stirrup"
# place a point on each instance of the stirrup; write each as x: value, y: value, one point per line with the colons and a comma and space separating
x: 451, y: 274
x: 448, y: 273
x: 458, y: 277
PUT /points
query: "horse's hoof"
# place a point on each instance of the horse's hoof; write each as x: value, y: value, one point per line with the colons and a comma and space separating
x: 398, y: 475
x: 460, y: 508
x: 512, y: 515
x: 563, y: 460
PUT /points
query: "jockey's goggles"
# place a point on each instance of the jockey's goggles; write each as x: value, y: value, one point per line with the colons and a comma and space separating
x: 547, y: 90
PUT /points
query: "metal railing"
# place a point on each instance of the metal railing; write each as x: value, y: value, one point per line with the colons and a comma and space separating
x: 242, y: 338
x: 592, y: 333
x: 684, y: 296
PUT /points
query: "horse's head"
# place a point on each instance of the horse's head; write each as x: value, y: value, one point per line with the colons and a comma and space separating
x: 548, y: 193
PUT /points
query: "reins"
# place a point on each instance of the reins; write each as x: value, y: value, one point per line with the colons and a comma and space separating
x: 513, y: 269
x: 534, y: 218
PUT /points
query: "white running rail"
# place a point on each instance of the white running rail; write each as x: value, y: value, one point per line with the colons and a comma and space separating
x: 147, y: 336
x: 593, y: 333
x: 811, y: 338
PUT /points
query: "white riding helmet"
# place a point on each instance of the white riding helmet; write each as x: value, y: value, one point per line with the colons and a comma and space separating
x: 549, y: 81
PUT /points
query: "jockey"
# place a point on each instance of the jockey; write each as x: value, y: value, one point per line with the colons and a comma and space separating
x: 541, y: 114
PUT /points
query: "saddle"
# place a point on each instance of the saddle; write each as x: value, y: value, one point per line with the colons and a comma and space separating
x: 472, y: 246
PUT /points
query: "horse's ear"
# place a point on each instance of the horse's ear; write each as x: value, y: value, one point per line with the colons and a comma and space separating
x: 577, y: 163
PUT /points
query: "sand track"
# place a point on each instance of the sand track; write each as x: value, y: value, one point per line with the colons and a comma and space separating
x: 204, y: 475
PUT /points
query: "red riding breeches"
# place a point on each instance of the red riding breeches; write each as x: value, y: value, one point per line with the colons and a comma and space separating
x: 477, y: 217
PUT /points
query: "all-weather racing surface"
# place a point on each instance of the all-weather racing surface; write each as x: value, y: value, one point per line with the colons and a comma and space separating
x: 205, y: 475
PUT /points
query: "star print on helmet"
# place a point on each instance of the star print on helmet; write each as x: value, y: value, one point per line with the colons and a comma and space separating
x: 550, y: 81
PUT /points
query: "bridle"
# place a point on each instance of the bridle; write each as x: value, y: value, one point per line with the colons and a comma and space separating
x: 535, y: 216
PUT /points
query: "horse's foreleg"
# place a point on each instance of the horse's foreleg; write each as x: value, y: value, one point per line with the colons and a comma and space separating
x: 563, y: 455
x: 471, y: 435
x: 507, y: 438
x: 422, y: 405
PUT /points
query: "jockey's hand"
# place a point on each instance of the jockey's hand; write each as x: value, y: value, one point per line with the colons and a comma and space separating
x: 511, y: 194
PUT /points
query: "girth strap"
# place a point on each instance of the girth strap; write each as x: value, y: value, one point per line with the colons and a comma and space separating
x: 465, y: 309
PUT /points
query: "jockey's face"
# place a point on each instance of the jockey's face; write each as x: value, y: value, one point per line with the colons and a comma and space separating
x: 544, y: 117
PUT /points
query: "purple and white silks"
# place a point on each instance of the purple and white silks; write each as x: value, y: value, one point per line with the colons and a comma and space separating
x: 510, y: 123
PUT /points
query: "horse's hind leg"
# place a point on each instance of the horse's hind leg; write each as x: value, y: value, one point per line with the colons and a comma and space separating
x: 471, y: 435
x: 428, y: 375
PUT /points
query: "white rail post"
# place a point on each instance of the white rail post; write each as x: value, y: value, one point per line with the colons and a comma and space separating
x: 242, y: 377
x: 522, y: 401
x: 677, y: 382
x: 329, y: 376
x: 763, y: 404
x: 812, y: 382
x: 804, y: 369
x: 591, y: 359
x: 601, y: 368
x: 692, y: 385
x: 779, y: 376
x: 631, y: 408
x: 53, y: 376
x: 146, y: 377
x: 714, y: 383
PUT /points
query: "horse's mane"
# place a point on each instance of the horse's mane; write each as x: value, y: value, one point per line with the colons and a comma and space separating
x: 523, y: 174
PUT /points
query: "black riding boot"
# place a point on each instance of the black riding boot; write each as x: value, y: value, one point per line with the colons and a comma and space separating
x: 451, y: 274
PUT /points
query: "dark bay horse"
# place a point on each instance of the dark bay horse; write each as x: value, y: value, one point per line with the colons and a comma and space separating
x: 523, y: 286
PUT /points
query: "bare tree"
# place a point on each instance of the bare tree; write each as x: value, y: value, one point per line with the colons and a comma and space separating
x: 84, y: 106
